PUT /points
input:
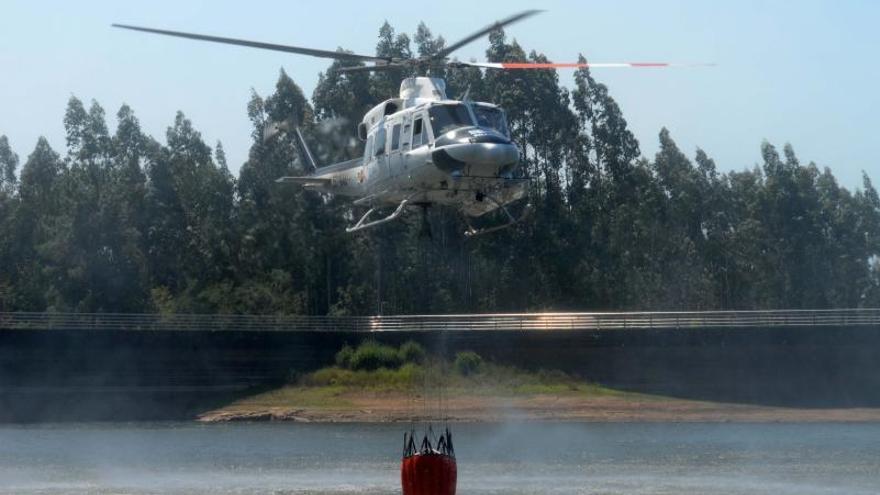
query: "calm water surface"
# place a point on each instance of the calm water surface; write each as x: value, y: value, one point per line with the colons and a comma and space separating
x: 147, y: 458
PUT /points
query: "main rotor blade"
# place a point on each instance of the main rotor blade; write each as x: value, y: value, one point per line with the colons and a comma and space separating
x: 257, y: 44
x: 367, y: 68
x: 483, y: 32
x: 573, y: 65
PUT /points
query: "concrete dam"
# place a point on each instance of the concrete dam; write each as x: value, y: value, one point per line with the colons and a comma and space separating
x: 59, y: 367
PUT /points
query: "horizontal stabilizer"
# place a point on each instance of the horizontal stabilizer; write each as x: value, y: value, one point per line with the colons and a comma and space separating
x: 306, y: 181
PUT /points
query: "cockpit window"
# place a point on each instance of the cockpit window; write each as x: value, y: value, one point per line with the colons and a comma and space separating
x: 492, y: 117
x: 445, y: 118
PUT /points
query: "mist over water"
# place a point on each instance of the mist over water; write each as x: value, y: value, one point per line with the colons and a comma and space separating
x: 584, y: 458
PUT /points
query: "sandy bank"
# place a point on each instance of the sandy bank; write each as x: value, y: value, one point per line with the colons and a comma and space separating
x: 396, y: 407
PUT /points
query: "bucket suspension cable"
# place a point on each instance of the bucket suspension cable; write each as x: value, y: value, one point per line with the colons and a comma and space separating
x: 441, y: 445
x: 428, y: 466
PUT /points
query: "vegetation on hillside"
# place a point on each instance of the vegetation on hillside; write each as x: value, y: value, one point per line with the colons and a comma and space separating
x: 121, y: 222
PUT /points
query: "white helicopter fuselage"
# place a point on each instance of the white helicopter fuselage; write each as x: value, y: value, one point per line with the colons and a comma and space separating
x: 420, y: 148
x: 425, y: 149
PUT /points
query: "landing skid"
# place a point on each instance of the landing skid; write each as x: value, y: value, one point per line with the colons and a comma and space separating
x: 425, y: 231
x: 511, y: 220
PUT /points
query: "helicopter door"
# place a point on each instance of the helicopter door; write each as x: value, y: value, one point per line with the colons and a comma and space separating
x: 418, y: 133
x: 379, y: 152
x: 395, y: 155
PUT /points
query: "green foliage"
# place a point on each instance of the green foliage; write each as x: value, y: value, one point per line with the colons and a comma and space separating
x: 412, y: 352
x: 344, y: 356
x: 125, y: 223
x: 401, y: 378
x: 467, y: 363
x: 8, y: 165
x: 469, y: 374
x: 371, y: 355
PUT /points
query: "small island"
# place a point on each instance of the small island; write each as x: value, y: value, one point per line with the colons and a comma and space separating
x: 376, y: 383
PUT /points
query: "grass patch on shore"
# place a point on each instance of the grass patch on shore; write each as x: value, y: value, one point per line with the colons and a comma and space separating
x: 337, y: 388
x: 310, y: 397
x: 410, y: 378
x: 379, y: 370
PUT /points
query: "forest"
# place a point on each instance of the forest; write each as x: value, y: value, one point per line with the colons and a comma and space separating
x: 122, y: 222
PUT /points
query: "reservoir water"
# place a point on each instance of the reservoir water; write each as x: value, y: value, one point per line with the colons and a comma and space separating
x: 559, y: 458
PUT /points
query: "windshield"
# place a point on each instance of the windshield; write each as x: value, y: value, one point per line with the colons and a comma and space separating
x: 492, y: 117
x: 445, y: 118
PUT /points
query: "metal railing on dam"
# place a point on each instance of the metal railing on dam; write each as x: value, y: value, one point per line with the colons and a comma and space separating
x: 462, y: 322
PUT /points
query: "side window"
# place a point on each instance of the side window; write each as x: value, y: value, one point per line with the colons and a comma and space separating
x: 395, y: 137
x: 379, y: 143
x: 368, y: 148
x: 417, y: 133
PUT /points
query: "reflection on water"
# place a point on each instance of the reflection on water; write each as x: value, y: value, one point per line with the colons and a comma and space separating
x: 493, y: 459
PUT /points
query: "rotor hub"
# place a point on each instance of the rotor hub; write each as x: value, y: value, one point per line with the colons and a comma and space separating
x: 428, y: 88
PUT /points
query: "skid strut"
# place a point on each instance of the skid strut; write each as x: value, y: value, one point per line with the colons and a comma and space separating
x: 363, y: 224
x: 472, y: 232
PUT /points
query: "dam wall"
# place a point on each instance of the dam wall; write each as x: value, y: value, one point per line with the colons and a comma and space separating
x: 57, y: 374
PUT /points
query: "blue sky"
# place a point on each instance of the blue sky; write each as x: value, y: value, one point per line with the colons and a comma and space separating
x: 799, y: 72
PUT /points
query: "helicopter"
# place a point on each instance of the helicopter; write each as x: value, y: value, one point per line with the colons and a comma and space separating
x: 421, y: 148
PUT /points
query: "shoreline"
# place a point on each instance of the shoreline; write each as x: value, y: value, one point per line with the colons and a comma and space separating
x: 396, y: 407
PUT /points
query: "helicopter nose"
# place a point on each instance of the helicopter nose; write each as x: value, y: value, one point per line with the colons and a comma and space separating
x: 476, y: 148
x: 455, y: 156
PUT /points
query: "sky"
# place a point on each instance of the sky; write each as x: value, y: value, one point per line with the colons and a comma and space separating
x: 801, y: 72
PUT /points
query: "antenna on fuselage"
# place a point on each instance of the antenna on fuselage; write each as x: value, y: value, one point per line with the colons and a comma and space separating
x: 302, y: 149
x: 466, y: 99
